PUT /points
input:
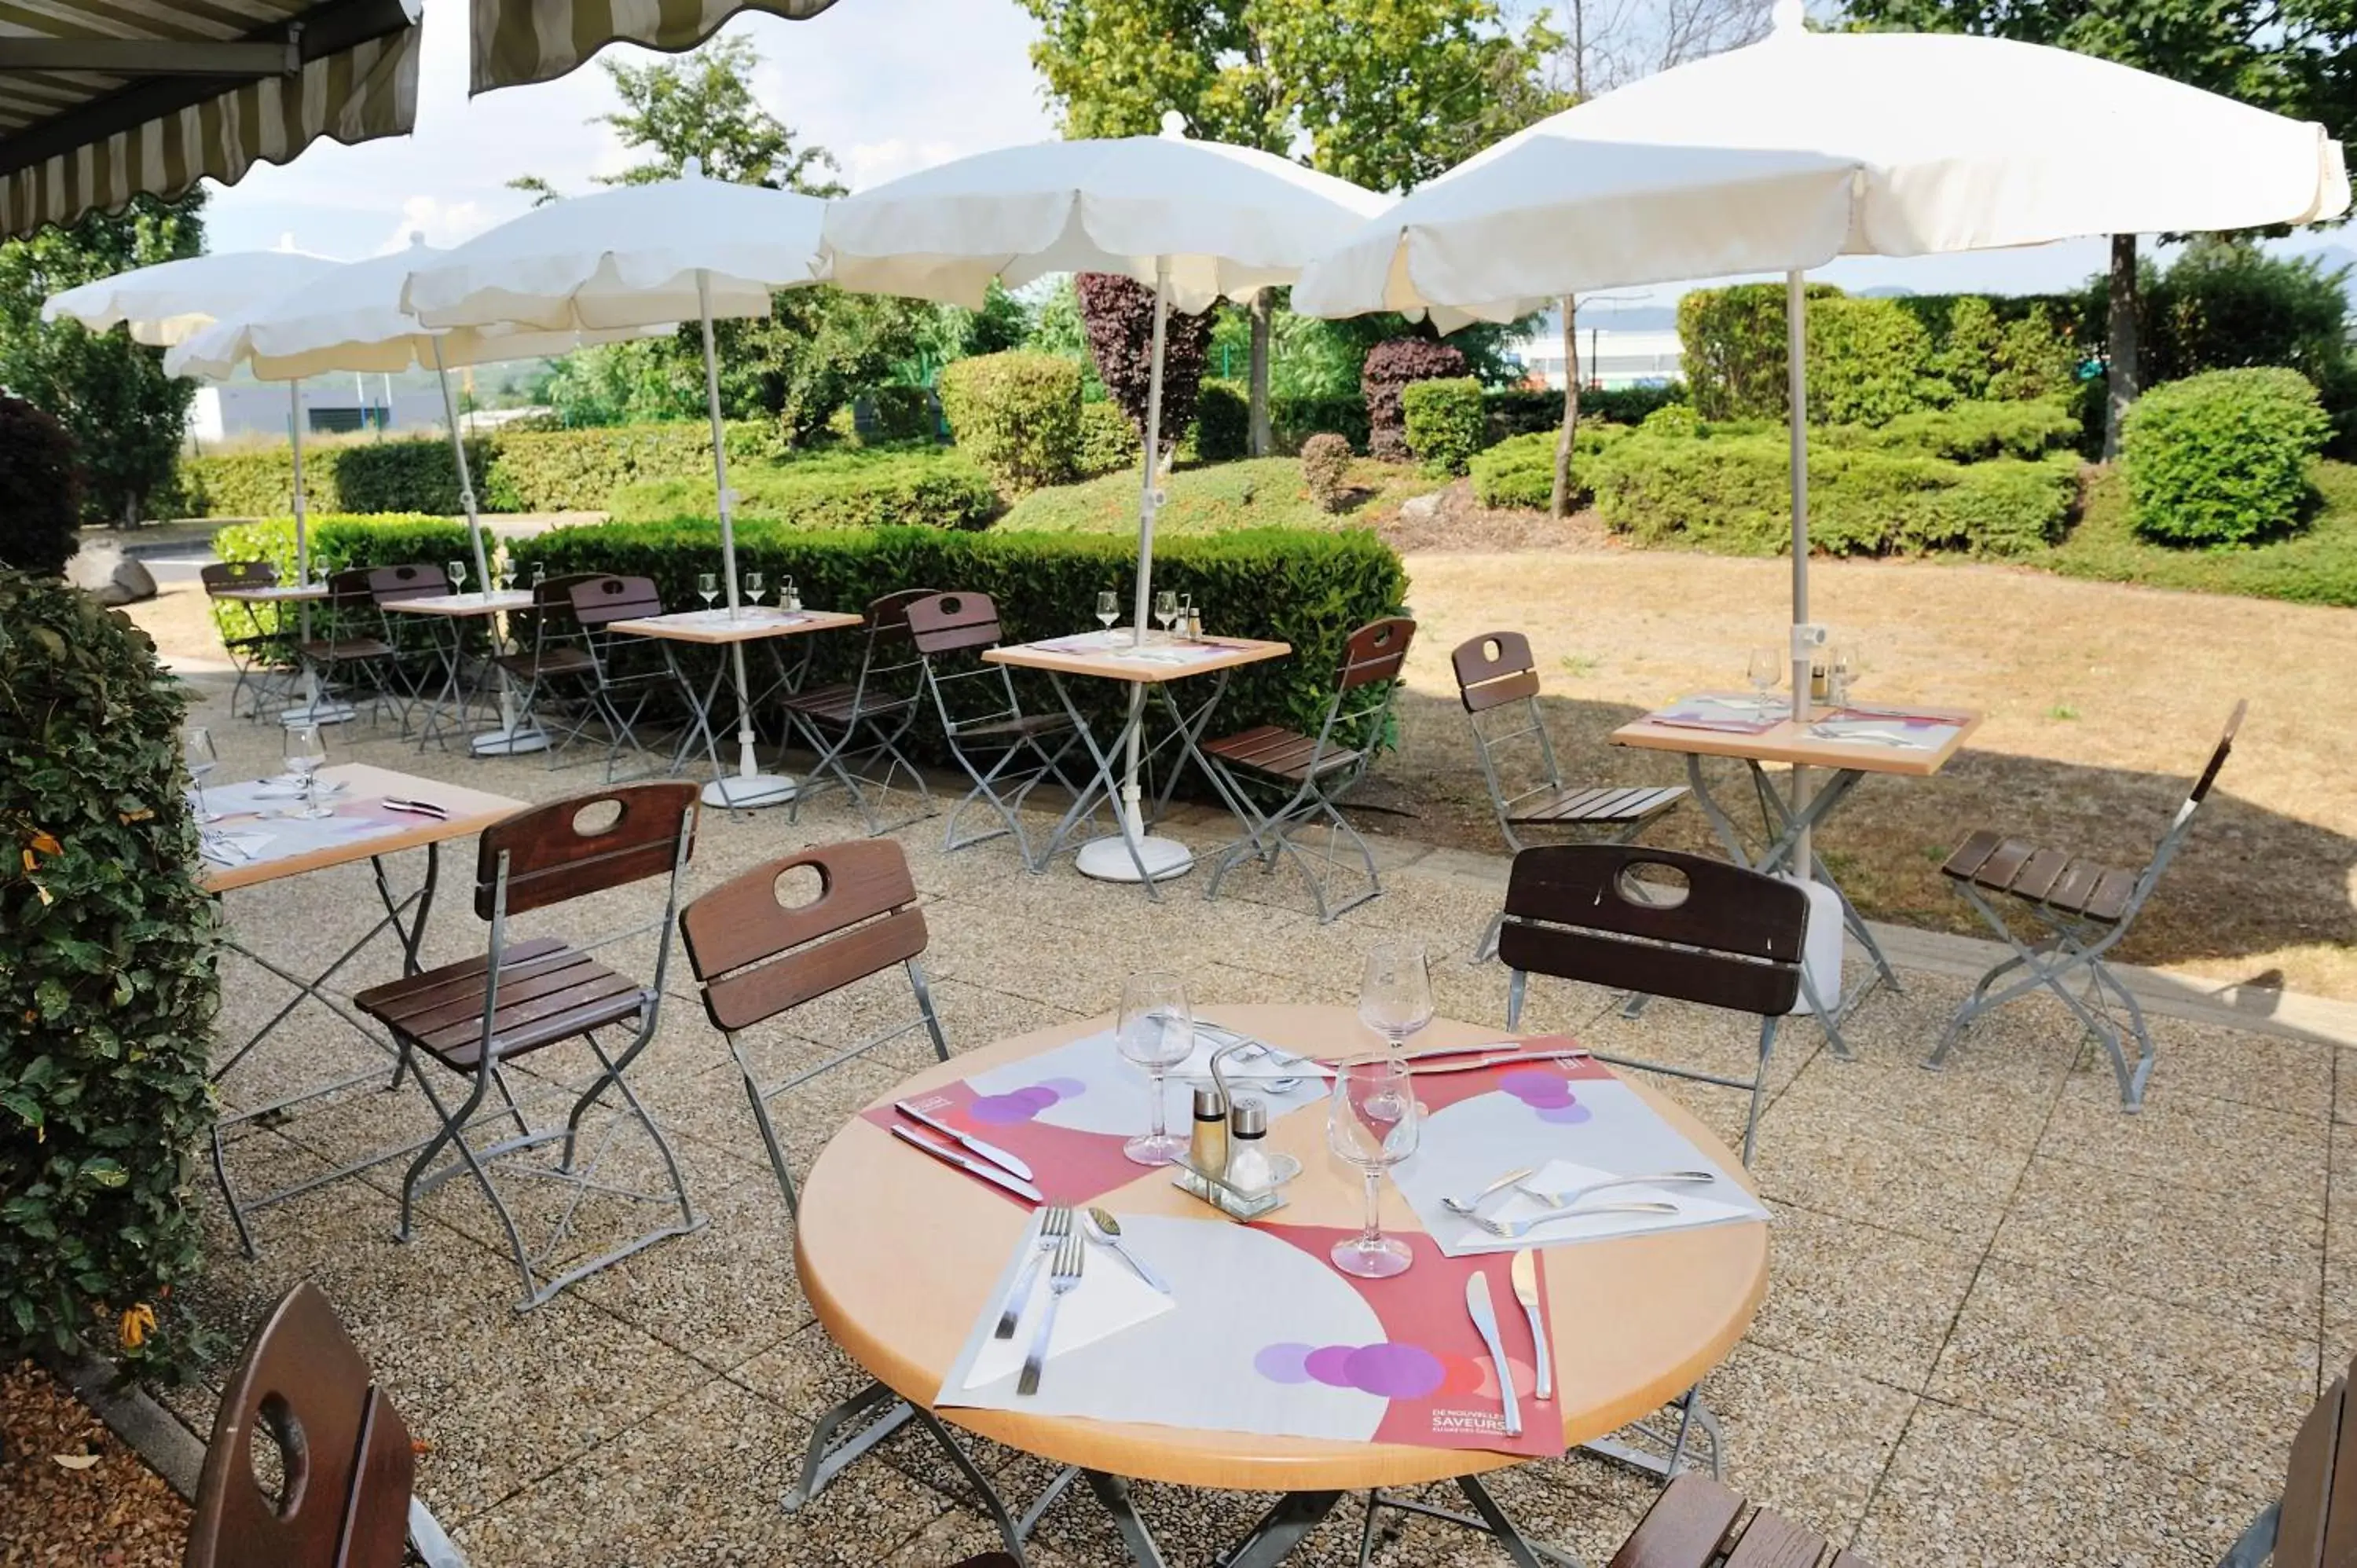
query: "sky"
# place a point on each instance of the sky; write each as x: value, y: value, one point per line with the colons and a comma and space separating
x: 888, y: 86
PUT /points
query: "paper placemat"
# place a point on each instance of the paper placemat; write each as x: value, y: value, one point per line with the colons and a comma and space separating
x: 1720, y: 711
x: 1881, y: 727
x: 263, y: 816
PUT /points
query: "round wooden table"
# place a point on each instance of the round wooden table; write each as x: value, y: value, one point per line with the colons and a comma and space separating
x: 900, y: 1254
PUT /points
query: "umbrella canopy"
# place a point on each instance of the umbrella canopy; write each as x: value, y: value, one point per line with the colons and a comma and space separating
x: 1224, y: 220
x: 627, y: 256
x: 519, y: 41
x: 101, y: 101
x: 173, y: 301
x: 1780, y: 156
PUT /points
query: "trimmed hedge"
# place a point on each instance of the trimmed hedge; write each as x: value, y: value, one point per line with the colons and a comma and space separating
x: 1520, y: 472
x: 1443, y: 423
x: 1308, y: 588
x: 1018, y: 414
x: 1523, y: 410
x: 1223, y: 422
x: 579, y: 470
x: 1109, y: 442
x: 2221, y: 457
x: 929, y: 488
x: 41, y: 492
x: 1294, y: 420
x: 1733, y: 494
x: 337, y: 541
x: 1968, y: 431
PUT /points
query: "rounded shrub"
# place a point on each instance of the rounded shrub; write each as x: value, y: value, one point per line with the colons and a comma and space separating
x: 1018, y: 414
x: 1326, y: 469
x: 2221, y: 457
x: 1223, y: 423
x: 40, y: 496
x: 106, y: 971
x: 1519, y: 474
x: 1109, y: 442
x: 1389, y: 368
x: 1445, y: 423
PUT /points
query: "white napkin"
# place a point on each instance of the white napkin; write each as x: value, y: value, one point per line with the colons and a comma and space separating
x: 1717, y: 1204
x: 285, y: 788
x: 1876, y: 734
x: 1278, y: 1062
x: 238, y: 848
x: 1109, y: 1299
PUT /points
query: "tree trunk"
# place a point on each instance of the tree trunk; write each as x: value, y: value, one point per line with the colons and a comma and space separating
x: 1559, y: 504
x: 1263, y: 439
x: 2120, y: 339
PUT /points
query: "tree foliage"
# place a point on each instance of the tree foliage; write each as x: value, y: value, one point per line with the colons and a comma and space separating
x: 702, y: 106
x: 39, y: 496
x: 126, y: 416
x: 1389, y: 367
x: 1118, y: 314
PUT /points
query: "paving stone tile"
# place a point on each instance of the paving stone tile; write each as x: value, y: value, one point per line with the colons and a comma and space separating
x: 1872, y: 1302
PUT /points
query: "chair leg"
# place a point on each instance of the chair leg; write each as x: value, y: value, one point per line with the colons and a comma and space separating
x: 769, y: 1131
x: 1759, y: 1088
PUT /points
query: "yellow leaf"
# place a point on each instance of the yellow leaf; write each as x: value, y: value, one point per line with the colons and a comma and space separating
x: 74, y: 1461
x: 47, y: 844
x: 138, y: 1323
x: 31, y: 865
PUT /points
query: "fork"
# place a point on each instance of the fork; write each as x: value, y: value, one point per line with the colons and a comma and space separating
x: 1055, y: 1224
x: 1515, y: 1228
x: 1570, y: 1196
x: 1469, y: 1206
x: 1070, y: 1255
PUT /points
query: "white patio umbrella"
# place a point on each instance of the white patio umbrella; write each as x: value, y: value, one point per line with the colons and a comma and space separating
x: 1195, y: 220
x: 349, y: 317
x: 690, y: 248
x: 1783, y: 155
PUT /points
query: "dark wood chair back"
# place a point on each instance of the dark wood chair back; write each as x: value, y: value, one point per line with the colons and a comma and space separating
x: 1583, y: 912
x: 558, y: 852
x: 953, y: 623
x: 351, y: 588
x: 599, y: 599
x: 2314, y: 1525
x: 1494, y: 668
x: 887, y: 615
x: 1376, y: 652
x: 2225, y: 748
x: 343, y: 1454
x: 238, y: 575
x: 757, y: 956
x: 413, y: 580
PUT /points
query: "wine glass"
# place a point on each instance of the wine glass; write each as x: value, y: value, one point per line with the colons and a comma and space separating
x: 1766, y: 671
x: 1157, y: 1033
x: 1108, y: 610
x: 539, y: 575
x: 197, y: 749
x: 1395, y: 999
x: 504, y: 573
x: 305, y: 749
x: 756, y: 585
x: 1370, y: 1121
x: 708, y: 588
x: 458, y: 571
x: 1165, y: 609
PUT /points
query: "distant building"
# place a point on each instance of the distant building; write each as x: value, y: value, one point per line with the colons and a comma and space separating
x: 331, y: 404
x: 1606, y: 358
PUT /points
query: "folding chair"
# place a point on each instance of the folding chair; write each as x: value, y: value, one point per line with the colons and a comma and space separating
x: 756, y: 959
x: 344, y: 1463
x: 428, y: 650
x: 1002, y: 748
x: 880, y: 704
x: 2312, y: 1523
x: 599, y: 600
x: 1498, y: 682
x: 353, y: 648
x: 474, y: 1017
x: 258, y: 655
x: 2085, y: 909
x: 1711, y: 932
x: 1303, y: 777
x: 569, y: 647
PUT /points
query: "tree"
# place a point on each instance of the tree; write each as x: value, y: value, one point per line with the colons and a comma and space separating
x: 702, y: 107
x: 1119, y: 314
x: 1384, y: 92
x: 2294, y: 57
x: 126, y: 416
x: 1610, y: 43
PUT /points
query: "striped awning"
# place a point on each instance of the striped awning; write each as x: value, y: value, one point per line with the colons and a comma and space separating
x: 520, y: 41
x: 104, y: 99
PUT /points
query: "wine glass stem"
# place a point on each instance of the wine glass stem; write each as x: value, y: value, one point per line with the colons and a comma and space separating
x: 1372, y: 1235
x: 1161, y: 1119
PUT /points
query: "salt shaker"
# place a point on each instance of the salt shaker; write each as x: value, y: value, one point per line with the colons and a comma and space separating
x: 1250, y: 1174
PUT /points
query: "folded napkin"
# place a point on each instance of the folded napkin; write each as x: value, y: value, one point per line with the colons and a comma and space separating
x: 1717, y: 1204
x: 1877, y: 733
x: 1109, y: 1299
x: 234, y: 848
x: 285, y: 789
x: 1277, y: 1062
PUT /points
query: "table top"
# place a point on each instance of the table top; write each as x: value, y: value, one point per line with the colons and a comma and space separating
x: 460, y: 605
x: 751, y: 623
x: 276, y: 594
x: 471, y: 810
x: 1791, y: 742
x: 1106, y: 662
x: 1637, y: 1320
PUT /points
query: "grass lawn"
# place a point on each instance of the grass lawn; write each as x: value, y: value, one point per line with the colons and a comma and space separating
x: 1258, y: 492
x: 2316, y: 565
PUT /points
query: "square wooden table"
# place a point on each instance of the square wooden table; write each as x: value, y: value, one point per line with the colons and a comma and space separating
x: 313, y: 709
x: 448, y: 614
x: 1128, y: 854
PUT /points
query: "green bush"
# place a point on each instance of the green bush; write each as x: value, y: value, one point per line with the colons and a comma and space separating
x: 896, y: 413
x: 1519, y: 473
x: 1018, y: 414
x: 1676, y: 420
x: 1306, y: 587
x: 1867, y: 361
x: 1525, y: 411
x: 2221, y: 457
x: 1968, y: 432
x: 929, y: 488
x: 1109, y: 442
x: 1733, y: 494
x: 1326, y: 469
x: 1223, y: 422
x: 106, y: 947
x: 1445, y: 423
x: 2316, y: 565
x: 337, y: 541
x: 41, y: 498
x: 579, y: 470
x: 1294, y: 420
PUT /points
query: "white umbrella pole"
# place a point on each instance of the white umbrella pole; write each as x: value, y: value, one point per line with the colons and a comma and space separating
x: 311, y: 710
x: 1796, y: 370
x: 749, y: 786
x: 1119, y: 857
x: 505, y: 741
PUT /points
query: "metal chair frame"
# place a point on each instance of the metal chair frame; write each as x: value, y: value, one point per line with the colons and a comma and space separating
x: 352, y: 623
x: 884, y: 702
x: 2076, y: 944
x: 577, y: 613
x: 257, y: 655
x: 1366, y: 684
x: 950, y: 632
x: 596, y: 861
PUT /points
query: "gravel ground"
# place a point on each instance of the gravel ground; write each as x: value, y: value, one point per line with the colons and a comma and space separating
x: 71, y: 1496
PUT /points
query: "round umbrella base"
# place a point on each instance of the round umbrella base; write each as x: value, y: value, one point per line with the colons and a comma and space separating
x: 1108, y: 859
x: 749, y: 791
x: 508, y: 743
x: 318, y: 714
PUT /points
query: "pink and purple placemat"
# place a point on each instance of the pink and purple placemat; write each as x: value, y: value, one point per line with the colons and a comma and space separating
x: 1729, y: 714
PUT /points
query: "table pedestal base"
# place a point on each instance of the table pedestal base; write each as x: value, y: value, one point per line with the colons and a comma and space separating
x: 1110, y: 858
x: 749, y: 791
x: 508, y: 743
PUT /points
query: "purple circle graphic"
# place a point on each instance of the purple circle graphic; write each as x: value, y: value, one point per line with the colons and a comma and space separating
x: 1564, y: 1115
x: 1064, y: 1088
x: 1001, y: 1110
x: 1524, y: 1082
x: 1038, y: 1096
x: 1286, y: 1363
x: 1330, y: 1365
x: 1396, y: 1370
x: 1542, y: 1098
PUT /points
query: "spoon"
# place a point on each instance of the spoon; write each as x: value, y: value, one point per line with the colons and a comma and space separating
x: 1469, y: 1207
x: 1106, y: 1230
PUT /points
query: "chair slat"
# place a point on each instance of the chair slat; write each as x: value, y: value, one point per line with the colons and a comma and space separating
x: 411, y: 580
x: 741, y: 1000
x: 1974, y: 853
x: 2004, y: 863
x: 2109, y: 901
x: 1572, y: 805
x: 2070, y: 889
x: 952, y: 623
x: 2308, y: 1491
x: 1376, y: 652
x: 742, y: 922
x: 551, y: 858
x: 2038, y: 874
x: 375, y: 1532
x: 599, y: 599
x: 1684, y: 1527
x: 1728, y: 909
x: 1771, y: 1540
x: 1711, y: 979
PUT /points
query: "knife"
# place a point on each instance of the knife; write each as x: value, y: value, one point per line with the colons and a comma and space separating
x: 1477, y: 1302
x: 1526, y: 1274
x: 991, y: 1174
x: 1509, y: 1059
x: 973, y: 1145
